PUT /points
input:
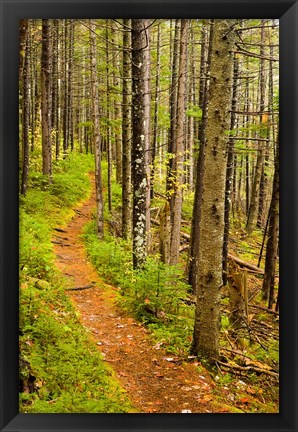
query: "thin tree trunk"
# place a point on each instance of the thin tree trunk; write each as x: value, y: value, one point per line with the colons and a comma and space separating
x: 264, y: 125
x: 70, y: 85
x: 25, y: 111
x: 191, y: 121
x: 117, y: 107
x: 46, y: 101
x: 55, y: 80
x: 255, y: 192
x: 96, y: 131
x: 179, y: 159
x: 272, y: 242
x: 196, y: 216
x: 155, y: 116
x: 66, y: 83
x: 126, y: 137
x: 229, y: 175
x: 247, y: 174
x: 173, y: 110
x: 108, y: 127
x: 203, y: 74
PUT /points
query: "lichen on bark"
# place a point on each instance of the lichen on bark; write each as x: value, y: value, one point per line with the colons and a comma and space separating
x: 209, y: 277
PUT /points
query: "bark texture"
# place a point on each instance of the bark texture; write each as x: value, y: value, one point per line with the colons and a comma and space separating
x: 272, y: 242
x: 196, y: 216
x: 139, y: 174
x: 126, y: 136
x: 96, y: 132
x: 179, y: 156
x: 45, y: 100
x: 209, y: 279
x: 25, y: 113
x: 229, y: 176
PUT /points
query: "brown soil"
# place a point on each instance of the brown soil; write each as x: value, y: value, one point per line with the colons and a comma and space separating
x: 154, y: 380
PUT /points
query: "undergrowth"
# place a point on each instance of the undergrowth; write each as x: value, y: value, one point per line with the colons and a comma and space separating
x: 61, y: 371
x: 155, y: 295
x: 158, y: 296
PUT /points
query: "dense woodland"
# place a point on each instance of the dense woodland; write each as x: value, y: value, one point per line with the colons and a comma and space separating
x: 170, y: 128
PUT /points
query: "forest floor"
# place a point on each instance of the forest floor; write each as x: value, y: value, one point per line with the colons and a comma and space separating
x: 155, y: 381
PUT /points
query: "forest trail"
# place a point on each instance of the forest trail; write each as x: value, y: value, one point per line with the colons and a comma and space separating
x: 155, y: 381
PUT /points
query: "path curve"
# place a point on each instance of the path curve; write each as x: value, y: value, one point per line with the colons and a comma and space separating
x: 153, y: 383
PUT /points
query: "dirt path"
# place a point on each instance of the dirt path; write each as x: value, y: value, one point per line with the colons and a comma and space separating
x: 153, y: 382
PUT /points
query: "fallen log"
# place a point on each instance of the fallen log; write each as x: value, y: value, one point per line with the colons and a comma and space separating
x: 237, y: 260
x: 271, y: 311
x: 248, y: 368
x: 246, y: 264
x: 81, y: 288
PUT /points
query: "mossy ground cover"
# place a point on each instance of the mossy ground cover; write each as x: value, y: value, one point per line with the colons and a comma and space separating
x: 61, y: 370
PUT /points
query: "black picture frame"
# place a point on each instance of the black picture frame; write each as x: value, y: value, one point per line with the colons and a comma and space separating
x: 11, y: 12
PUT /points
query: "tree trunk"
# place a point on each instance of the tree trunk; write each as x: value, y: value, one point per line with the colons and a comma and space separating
x: 179, y: 159
x: 55, y: 88
x: 247, y: 173
x: 25, y: 111
x: 147, y: 100
x: 96, y: 132
x: 264, y: 125
x: 259, y: 167
x: 190, y: 119
x: 253, y: 208
x: 126, y: 138
x: 203, y: 73
x: 139, y: 174
x: 196, y: 216
x: 155, y: 116
x: 229, y: 176
x: 173, y: 110
x: 272, y: 241
x: 165, y: 234
x: 117, y: 109
x: 46, y: 100
x: 70, y: 85
x: 108, y: 121
x: 209, y: 280
x: 65, y: 95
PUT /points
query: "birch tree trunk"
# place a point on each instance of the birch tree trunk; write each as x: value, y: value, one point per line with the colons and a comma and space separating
x: 147, y: 101
x: 139, y: 173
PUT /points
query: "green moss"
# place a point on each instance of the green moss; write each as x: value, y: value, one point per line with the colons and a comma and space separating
x: 69, y: 373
